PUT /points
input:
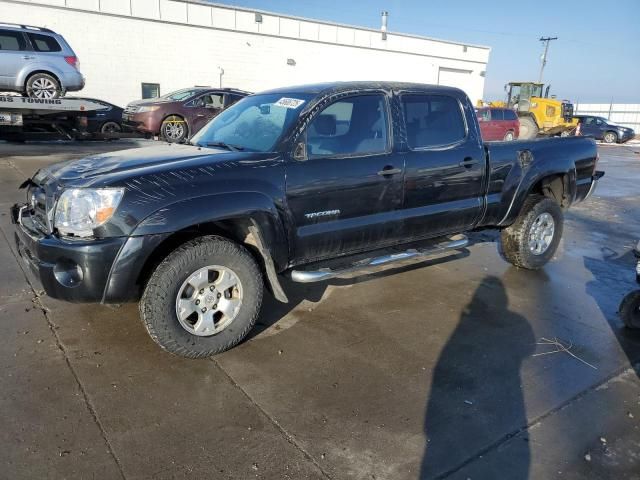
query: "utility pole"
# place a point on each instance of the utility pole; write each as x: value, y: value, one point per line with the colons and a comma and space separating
x: 546, y: 41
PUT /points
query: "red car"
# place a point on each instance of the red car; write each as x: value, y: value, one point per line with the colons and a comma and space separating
x: 498, y: 123
x: 179, y: 115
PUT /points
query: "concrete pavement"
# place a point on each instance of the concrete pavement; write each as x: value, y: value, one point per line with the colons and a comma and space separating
x: 429, y: 372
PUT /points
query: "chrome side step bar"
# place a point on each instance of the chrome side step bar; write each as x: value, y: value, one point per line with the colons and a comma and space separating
x: 372, y: 265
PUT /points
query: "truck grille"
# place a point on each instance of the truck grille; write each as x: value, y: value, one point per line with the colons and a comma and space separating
x: 37, y: 198
x: 567, y: 111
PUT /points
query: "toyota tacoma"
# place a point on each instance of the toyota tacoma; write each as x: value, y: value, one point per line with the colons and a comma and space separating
x: 311, y: 182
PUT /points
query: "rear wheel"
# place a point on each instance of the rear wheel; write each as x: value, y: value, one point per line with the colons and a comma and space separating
x: 533, y: 238
x: 174, y: 129
x: 43, y: 85
x: 203, y: 299
x: 610, y: 137
x: 528, y: 128
x: 630, y: 310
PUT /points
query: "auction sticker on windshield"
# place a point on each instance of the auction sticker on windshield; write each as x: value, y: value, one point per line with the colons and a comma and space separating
x: 289, y: 102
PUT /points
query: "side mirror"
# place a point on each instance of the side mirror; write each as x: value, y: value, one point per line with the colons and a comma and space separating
x: 505, y: 87
x: 300, y: 151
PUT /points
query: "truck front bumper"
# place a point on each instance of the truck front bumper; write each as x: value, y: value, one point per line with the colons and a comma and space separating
x: 75, y: 271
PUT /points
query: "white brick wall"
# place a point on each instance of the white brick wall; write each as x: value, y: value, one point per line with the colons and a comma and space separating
x: 178, y: 44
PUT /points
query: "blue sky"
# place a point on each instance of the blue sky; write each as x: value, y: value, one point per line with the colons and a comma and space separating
x: 596, y: 58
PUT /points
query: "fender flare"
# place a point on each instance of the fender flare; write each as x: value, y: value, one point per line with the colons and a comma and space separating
x: 264, y: 224
x: 526, y: 185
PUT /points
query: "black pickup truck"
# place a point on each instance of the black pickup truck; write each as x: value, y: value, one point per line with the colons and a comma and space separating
x: 312, y: 182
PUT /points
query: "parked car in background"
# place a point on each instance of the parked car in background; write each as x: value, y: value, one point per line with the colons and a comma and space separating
x: 37, y: 62
x: 602, y: 129
x: 179, y: 115
x: 105, y: 120
x: 498, y: 123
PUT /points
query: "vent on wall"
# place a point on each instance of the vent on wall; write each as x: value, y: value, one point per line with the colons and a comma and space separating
x: 258, y: 18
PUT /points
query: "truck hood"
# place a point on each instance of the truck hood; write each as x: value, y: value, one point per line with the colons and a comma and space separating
x: 107, y: 164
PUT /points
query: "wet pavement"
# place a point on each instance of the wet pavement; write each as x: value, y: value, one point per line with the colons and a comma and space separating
x: 429, y: 371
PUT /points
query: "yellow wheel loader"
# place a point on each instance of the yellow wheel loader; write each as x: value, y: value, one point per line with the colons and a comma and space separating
x: 538, y: 114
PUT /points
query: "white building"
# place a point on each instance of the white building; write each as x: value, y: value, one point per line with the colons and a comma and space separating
x: 123, y: 44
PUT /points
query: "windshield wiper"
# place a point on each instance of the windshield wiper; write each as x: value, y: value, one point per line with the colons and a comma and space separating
x: 228, y: 146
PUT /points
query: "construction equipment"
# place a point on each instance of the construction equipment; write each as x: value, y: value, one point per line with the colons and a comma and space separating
x: 538, y: 114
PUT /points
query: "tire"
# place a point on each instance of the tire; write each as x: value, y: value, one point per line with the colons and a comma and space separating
x: 610, y: 137
x: 518, y: 244
x: 630, y: 310
x: 43, y: 85
x: 174, y: 129
x: 110, y: 127
x: 173, y: 281
x: 509, y: 137
x: 528, y: 128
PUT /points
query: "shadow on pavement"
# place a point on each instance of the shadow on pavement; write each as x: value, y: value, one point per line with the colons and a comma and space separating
x: 476, y: 383
x: 273, y: 311
x: 605, y: 289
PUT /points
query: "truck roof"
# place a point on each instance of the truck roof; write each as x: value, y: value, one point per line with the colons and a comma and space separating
x: 336, y: 87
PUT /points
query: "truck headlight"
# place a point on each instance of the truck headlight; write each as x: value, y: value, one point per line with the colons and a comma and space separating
x: 80, y: 210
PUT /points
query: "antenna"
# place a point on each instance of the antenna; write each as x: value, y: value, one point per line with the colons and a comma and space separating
x: 546, y: 41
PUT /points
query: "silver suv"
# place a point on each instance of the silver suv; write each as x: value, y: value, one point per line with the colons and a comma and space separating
x: 37, y: 62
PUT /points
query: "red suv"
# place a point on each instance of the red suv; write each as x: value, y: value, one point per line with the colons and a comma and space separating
x: 498, y: 123
x: 179, y: 115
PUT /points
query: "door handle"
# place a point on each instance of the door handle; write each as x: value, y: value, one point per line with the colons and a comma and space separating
x: 389, y: 170
x: 467, y: 162
x: 28, y: 57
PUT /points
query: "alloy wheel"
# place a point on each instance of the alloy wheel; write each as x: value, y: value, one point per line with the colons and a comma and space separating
x: 541, y: 233
x: 209, y: 300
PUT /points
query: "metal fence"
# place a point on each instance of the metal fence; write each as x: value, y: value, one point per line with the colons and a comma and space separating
x: 627, y: 114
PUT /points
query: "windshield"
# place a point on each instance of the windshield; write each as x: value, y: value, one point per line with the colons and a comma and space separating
x: 180, y: 94
x: 255, y: 123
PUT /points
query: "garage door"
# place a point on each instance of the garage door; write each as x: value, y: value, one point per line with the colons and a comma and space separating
x: 453, y: 77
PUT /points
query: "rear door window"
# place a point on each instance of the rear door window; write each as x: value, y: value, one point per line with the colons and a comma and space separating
x: 497, y: 114
x: 12, y: 41
x: 44, y: 43
x: 510, y: 115
x: 350, y: 127
x: 433, y: 120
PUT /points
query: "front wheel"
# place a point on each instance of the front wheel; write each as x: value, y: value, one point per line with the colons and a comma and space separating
x: 533, y: 238
x: 528, y: 128
x: 203, y: 299
x: 630, y: 310
x: 174, y: 129
x: 610, y: 137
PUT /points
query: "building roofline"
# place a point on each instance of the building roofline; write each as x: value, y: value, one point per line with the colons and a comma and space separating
x: 332, y: 24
